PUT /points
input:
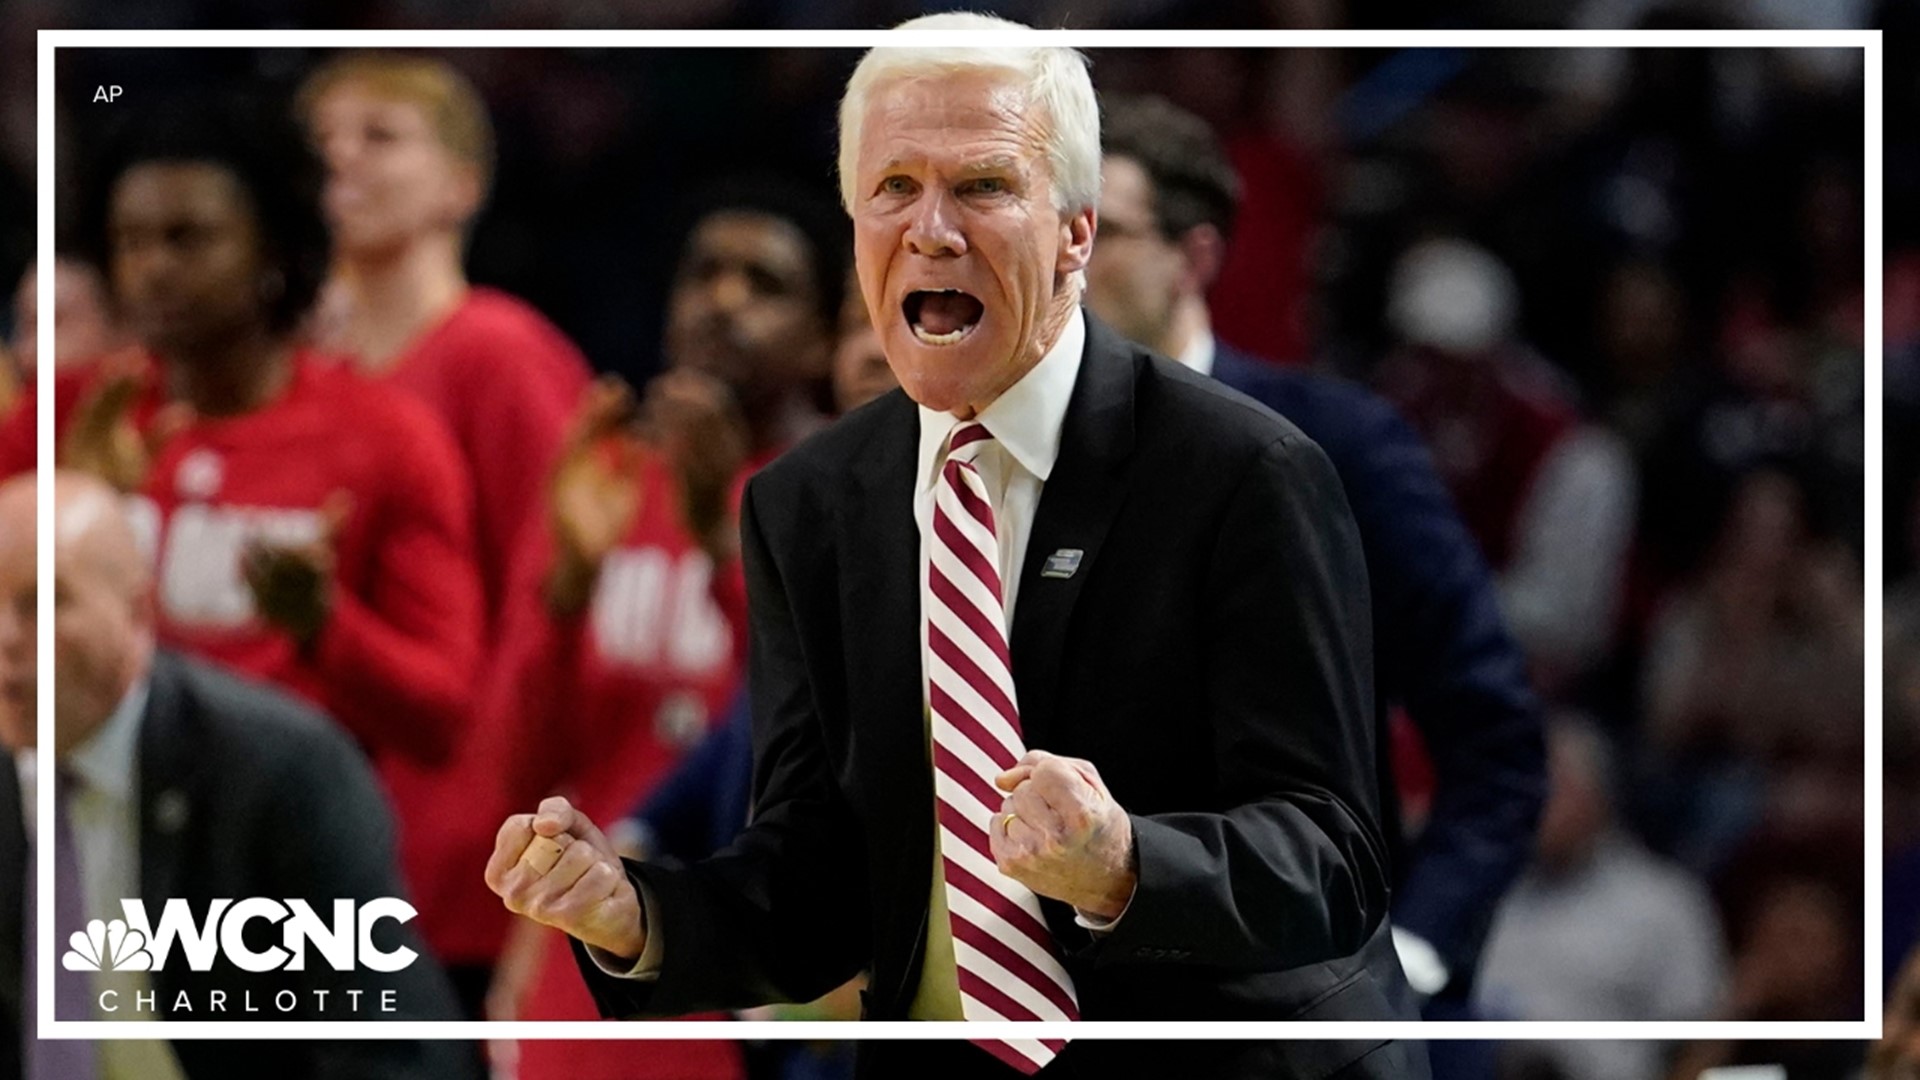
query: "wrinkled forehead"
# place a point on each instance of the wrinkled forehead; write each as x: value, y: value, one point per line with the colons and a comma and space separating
x: 962, y: 117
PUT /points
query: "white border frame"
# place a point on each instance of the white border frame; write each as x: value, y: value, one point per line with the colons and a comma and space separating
x: 1869, y: 41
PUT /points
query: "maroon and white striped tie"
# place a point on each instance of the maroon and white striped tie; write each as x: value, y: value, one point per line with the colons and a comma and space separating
x: 1008, y: 965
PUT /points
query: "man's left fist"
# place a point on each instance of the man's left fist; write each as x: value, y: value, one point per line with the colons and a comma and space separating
x: 1062, y: 835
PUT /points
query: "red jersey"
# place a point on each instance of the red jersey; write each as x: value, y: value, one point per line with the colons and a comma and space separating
x: 607, y: 701
x: 395, y: 661
x: 507, y: 383
x: 19, y: 430
x: 602, y: 706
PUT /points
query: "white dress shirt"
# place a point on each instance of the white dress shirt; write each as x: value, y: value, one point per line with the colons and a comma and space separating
x: 105, y: 808
x: 1198, y: 355
x: 26, y: 764
x: 1025, y: 423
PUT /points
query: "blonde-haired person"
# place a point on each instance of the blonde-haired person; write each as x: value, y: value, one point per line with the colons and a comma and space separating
x: 409, y: 153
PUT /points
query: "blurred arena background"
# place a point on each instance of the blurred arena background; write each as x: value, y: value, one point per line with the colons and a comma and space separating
x: 1655, y: 255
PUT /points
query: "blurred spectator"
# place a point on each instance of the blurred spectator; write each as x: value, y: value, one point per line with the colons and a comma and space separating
x: 1599, y: 928
x: 1549, y: 495
x: 1167, y: 213
x: 314, y: 527
x: 1756, y: 669
x: 630, y: 619
x: 174, y: 780
x: 860, y: 371
x: 1796, y: 959
x: 1644, y: 340
x: 1897, y: 1055
x: 87, y: 332
x: 84, y: 326
x: 700, y: 806
x: 1757, y: 410
x: 409, y: 155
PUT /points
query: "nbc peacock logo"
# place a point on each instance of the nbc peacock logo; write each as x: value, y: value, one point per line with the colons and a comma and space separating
x: 107, y: 946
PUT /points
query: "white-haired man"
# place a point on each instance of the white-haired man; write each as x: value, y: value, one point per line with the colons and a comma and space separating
x: 1050, y: 539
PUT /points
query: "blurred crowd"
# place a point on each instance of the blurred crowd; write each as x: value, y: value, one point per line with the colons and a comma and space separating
x: 498, y: 371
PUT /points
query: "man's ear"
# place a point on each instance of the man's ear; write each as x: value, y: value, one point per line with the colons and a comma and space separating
x: 1077, y: 241
x: 1204, y: 252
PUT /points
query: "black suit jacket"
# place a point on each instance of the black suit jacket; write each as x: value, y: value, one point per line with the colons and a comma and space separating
x: 13, y: 868
x: 246, y: 792
x: 1210, y: 656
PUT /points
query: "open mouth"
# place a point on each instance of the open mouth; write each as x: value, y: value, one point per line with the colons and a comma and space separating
x: 942, y: 316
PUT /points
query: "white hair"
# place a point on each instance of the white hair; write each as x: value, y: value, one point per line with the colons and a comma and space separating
x: 1054, y: 77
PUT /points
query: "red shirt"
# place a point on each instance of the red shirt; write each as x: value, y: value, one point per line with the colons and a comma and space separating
x: 602, y: 706
x: 604, y: 703
x: 395, y: 662
x: 19, y: 430
x: 506, y: 382
x: 1262, y: 299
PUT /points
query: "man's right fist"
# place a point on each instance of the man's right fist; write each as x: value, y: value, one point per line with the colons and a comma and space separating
x: 556, y: 868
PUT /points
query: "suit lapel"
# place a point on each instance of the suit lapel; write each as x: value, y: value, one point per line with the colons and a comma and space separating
x: 880, y: 564
x: 1077, y: 505
x: 13, y: 868
x: 168, y: 764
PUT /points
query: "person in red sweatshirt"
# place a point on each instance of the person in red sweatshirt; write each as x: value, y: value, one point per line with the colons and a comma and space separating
x: 86, y: 333
x: 409, y: 150
x: 628, y: 620
x: 313, y: 528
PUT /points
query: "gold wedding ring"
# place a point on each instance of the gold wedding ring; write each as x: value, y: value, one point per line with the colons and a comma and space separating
x: 1006, y: 823
x: 542, y: 853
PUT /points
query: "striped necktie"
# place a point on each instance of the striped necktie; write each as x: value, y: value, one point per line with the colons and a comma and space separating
x: 1009, y: 967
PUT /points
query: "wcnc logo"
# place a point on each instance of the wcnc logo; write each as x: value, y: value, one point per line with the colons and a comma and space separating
x: 345, y: 944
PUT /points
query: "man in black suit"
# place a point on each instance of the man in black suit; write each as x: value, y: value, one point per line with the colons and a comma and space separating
x: 1189, y: 640
x: 178, y: 782
x: 1441, y: 649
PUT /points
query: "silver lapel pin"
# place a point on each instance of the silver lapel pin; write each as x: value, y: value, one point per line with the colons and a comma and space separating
x: 1062, y: 563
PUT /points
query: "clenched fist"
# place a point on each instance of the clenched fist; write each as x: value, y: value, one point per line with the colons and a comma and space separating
x: 1061, y: 834
x: 556, y: 868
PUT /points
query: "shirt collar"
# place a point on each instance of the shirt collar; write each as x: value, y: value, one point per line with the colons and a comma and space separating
x: 106, y: 761
x: 25, y: 761
x: 1198, y: 355
x: 1025, y: 419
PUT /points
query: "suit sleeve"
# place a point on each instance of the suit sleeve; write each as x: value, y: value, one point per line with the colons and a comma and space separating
x: 1291, y: 870
x: 399, y: 659
x: 1441, y: 643
x: 781, y: 914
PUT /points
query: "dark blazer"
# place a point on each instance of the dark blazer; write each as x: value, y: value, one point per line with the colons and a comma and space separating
x: 246, y: 792
x: 1441, y: 650
x: 1210, y: 656
x: 13, y: 868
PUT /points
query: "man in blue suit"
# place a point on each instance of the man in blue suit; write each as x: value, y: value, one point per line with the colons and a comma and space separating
x: 1442, y: 652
